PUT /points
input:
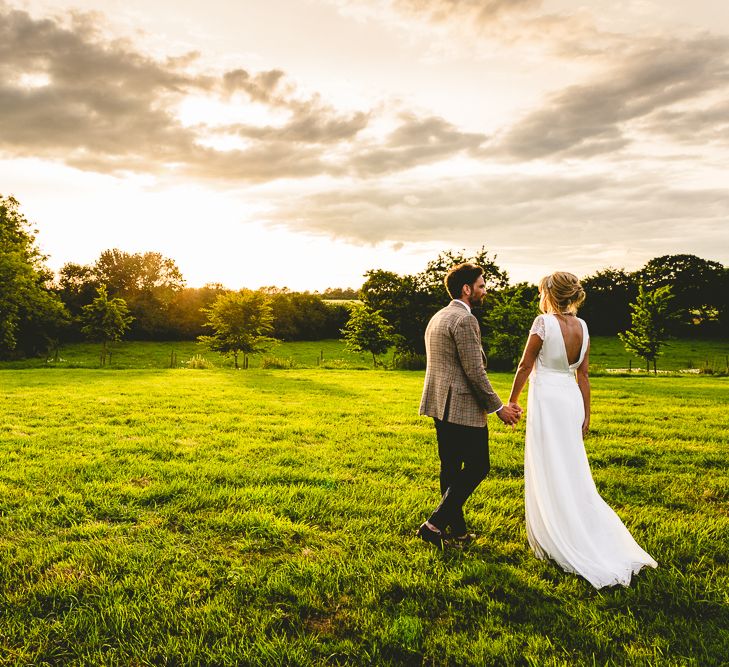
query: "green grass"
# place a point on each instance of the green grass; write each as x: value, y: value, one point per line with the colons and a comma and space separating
x: 213, y: 517
x: 606, y: 352
x: 148, y: 354
x: 609, y: 352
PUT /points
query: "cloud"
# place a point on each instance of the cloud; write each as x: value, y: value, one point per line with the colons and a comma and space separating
x: 704, y: 125
x: 646, y: 84
x: 570, y: 217
x: 70, y: 94
x: 482, y: 28
x: 481, y: 12
x: 94, y: 98
x: 413, y: 142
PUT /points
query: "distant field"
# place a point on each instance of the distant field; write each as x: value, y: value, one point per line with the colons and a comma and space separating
x: 208, y: 517
x: 606, y: 352
x: 609, y: 352
x: 145, y: 354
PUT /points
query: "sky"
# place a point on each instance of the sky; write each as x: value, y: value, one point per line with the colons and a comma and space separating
x: 300, y: 143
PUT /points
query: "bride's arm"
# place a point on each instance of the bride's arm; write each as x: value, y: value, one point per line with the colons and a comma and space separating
x: 528, y: 359
x: 583, y: 382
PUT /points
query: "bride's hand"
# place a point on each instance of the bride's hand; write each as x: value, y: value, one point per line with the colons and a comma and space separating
x: 585, y: 427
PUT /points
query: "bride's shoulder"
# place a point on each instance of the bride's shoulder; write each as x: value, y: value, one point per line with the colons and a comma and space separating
x: 538, y: 326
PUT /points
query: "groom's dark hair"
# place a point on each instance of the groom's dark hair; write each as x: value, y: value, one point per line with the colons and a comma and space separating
x: 460, y: 275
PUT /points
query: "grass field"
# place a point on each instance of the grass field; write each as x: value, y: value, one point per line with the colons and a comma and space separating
x: 609, y: 352
x: 606, y: 352
x: 146, y: 354
x: 213, y: 517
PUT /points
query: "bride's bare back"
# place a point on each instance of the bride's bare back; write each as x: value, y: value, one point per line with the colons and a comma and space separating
x: 572, y: 335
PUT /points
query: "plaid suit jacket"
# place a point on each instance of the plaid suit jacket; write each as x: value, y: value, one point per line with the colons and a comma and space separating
x: 457, y: 388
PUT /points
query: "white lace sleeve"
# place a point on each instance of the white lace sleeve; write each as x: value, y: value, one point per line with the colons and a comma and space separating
x: 538, y: 327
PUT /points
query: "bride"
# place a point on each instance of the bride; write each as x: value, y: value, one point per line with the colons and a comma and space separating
x: 566, y: 518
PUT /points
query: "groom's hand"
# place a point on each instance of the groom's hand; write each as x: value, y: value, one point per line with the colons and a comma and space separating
x: 509, y: 415
x: 517, y: 407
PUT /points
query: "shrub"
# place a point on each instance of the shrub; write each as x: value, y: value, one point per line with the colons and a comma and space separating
x: 341, y: 364
x: 198, y: 361
x: 409, y: 361
x: 277, y: 362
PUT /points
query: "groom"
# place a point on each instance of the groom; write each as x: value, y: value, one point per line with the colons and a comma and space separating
x: 458, y: 395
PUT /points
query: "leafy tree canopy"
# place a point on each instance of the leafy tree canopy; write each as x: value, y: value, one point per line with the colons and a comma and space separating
x: 508, y: 322
x: 607, y: 306
x: 240, y: 322
x: 408, y: 302
x: 367, y: 331
x: 105, y: 319
x: 651, y: 317
x: 31, y: 316
x: 699, y: 287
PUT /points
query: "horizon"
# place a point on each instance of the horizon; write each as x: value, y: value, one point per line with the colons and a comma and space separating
x: 301, y: 144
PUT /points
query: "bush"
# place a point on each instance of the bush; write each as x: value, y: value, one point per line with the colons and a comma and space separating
x: 277, y: 362
x: 409, y: 361
x: 199, y: 362
x: 341, y: 364
x: 500, y: 364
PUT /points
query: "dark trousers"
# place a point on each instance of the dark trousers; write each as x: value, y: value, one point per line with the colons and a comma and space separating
x: 464, y: 462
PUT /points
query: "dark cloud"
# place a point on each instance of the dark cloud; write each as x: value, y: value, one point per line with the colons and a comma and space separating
x: 308, y: 124
x: 647, y: 81
x: 414, y: 142
x: 261, y: 87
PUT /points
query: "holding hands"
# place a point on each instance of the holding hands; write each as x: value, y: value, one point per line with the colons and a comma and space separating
x: 510, y: 414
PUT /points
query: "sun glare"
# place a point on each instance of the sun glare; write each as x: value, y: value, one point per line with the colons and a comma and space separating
x: 197, y: 110
x: 34, y: 80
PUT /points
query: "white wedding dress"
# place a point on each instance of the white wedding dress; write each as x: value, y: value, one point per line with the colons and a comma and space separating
x: 566, y: 518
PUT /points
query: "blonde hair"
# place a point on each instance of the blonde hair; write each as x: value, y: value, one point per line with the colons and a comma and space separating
x: 560, y: 292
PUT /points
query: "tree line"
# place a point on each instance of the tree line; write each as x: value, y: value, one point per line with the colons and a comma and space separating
x: 39, y: 310
x: 672, y: 296
x: 143, y: 296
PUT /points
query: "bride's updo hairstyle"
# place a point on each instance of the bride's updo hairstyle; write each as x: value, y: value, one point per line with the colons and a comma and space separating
x: 560, y: 292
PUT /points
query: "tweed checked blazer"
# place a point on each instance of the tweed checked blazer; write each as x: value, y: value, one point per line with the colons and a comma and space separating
x: 457, y: 388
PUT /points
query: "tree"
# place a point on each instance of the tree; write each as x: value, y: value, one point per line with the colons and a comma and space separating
x: 148, y: 282
x: 699, y: 288
x: 105, y: 320
x: 434, y: 275
x: 651, y: 317
x: 404, y: 304
x: 509, y: 321
x: 131, y: 273
x: 408, y: 302
x: 241, y: 322
x: 340, y: 293
x: 186, y: 316
x: 367, y: 331
x: 609, y: 295
x: 31, y: 315
x: 305, y: 316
